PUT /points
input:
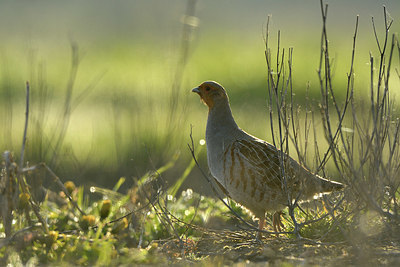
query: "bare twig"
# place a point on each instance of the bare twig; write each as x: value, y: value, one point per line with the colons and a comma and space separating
x: 57, y: 181
x: 278, y: 88
x: 67, y: 109
x: 124, y: 216
x: 26, y: 127
x: 190, y: 23
x: 6, y: 241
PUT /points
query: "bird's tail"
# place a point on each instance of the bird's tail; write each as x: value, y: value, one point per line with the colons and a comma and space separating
x: 327, y: 186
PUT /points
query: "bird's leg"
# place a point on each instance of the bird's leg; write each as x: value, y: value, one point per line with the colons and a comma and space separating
x: 261, y: 223
x: 277, y: 222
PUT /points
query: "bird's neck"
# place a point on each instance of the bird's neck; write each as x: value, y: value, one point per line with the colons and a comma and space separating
x: 220, y: 119
x: 221, y: 131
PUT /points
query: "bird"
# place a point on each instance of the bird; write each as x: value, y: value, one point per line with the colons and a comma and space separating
x: 249, y: 169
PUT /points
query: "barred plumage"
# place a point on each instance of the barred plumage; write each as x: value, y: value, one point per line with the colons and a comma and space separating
x: 248, y: 169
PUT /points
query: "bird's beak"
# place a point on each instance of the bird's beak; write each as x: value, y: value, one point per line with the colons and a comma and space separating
x: 196, y: 90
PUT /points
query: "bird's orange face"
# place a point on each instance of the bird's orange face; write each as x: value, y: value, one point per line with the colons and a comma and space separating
x: 210, y: 92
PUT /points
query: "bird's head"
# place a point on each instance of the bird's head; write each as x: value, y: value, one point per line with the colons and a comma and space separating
x: 211, y: 93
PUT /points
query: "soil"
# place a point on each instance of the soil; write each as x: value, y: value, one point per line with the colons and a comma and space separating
x: 231, y: 247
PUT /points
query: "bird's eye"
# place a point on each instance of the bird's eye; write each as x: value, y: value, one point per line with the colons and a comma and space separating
x: 208, y: 88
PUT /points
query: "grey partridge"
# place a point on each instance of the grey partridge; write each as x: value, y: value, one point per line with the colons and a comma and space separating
x: 248, y: 168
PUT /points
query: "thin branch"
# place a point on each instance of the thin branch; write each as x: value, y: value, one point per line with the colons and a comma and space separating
x: 26, y: 127
x: 67, y: 109
x: 58, y: 182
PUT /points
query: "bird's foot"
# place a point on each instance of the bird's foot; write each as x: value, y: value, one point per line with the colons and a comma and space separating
x: 277, y: 222
x: 261, y: 223
x: 259, y: 238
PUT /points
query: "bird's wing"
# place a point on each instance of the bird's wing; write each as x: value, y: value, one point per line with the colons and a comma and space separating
x: 257, y: 164
x: 258, y: 160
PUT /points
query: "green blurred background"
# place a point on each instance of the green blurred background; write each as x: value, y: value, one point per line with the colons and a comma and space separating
x: 130, y: 106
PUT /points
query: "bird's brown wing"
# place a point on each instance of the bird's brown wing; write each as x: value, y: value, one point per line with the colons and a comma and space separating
x: 260, y: 160
x: 255, y: 165
x: 264, y: 161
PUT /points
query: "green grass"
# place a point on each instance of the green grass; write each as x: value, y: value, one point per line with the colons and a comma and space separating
x: 188, y: 228
x: 103, y: 236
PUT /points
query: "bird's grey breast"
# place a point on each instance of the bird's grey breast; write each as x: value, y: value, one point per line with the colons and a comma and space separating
x: 216, y: 147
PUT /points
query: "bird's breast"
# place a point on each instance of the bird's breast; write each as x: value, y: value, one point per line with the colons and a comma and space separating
x: 215, y: 153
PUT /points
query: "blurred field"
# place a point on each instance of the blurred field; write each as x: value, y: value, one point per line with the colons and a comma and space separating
x: 137, y: 112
